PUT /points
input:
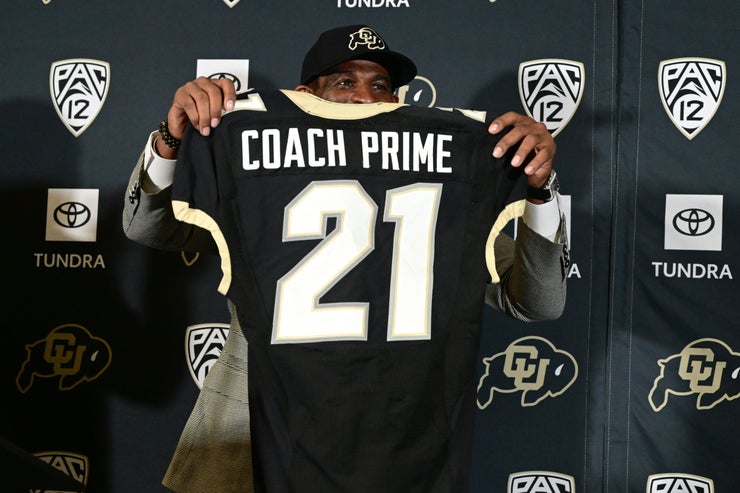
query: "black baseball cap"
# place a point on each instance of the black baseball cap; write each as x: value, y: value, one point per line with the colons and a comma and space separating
x: 355, y: 42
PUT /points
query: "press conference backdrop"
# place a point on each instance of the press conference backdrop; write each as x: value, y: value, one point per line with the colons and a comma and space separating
x: 635, y: 388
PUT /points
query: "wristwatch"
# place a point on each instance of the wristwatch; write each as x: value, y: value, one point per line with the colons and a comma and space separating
x: 547, y: 191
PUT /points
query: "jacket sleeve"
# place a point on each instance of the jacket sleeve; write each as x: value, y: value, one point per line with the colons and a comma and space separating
x: 148, y: 219
x: 533, y: 276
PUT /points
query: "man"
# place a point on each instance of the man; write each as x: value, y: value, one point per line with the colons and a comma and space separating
x: 350, y: 64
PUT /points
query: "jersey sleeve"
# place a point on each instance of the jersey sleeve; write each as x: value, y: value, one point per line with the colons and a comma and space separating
x: 195, y: 194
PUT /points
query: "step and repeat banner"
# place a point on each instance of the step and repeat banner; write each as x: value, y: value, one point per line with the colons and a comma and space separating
x: 634, y: 389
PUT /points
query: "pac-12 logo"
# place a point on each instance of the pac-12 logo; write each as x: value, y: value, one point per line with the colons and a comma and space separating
x: 76, y: 466
x: 707, y: 369
x: 540, y: 482
x: 203, y: 346
x: 691, y: 90
x: 79, y: 87
x: 679, y: 483
x: 551, y: 91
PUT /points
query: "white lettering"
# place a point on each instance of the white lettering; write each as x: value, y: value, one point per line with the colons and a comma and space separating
x: 390, y: 150
x: 371, y: 3
x: 443, y: 153
x: 313, y: 161
x: 406, y: 151
x: 294, y: 150
x: 247, y: 164
x: 69, y: 261
x: 299, y: 148
x: 573, y: 271
x: 271, y: 148
x: 424, y: 153
x: 369, y: 145
x: 336, y: 149
x: 691, y: 271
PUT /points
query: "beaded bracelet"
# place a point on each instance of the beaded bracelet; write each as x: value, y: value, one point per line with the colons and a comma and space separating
x: 168, y: 139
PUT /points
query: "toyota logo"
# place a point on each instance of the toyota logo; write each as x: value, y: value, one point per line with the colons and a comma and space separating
x: 225, y: 75
x: 72, y: 215
x: 693, y: 222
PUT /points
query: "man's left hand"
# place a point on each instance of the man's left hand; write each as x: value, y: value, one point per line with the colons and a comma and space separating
x: 536, y: 147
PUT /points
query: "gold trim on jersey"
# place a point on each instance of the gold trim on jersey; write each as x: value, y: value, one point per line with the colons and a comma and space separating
x: 314, y: 105
x: 512, y: 211
x: 197, y: 217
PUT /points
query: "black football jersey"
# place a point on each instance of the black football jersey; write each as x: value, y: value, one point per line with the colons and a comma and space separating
x: 356, y: 242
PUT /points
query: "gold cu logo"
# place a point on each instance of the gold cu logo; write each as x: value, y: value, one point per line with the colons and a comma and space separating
x: 64, y: 356
x: 367, y: 37
x: 705, y: 368
x: 69, y: 353
x: 521, y: 363
x: 697, y: 365
x: 532, y: 366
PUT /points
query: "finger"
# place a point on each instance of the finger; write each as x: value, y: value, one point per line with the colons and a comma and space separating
x: 508, y: 119
x: 191, y: 104
x: 536, y: 139
x: 228, y: 91
x: 515, y: 137
x: 210, y: 101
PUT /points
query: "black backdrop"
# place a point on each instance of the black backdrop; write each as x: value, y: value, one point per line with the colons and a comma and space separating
x: 95, y: 375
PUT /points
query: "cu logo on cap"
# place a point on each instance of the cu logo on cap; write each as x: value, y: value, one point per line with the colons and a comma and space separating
x: 367, y: 37
x: 693, y: 222
x: 72, y: 215
x: 225, y: 75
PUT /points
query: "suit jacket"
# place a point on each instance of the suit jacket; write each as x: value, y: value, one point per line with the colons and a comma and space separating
x: 214, y: 452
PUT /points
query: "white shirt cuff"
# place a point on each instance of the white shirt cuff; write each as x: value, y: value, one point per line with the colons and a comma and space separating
x: 544, y: 218
x: 158, y: 171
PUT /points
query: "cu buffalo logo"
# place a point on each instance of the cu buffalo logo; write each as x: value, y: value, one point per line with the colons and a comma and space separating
x: 706, y: 369
x: 69, y: 354
x: 72, y: 215
x: 366, y: 37
x: 530, y: 365
x: 693, y: 222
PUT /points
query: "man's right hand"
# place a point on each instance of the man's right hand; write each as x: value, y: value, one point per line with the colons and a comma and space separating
x: 199, y: 103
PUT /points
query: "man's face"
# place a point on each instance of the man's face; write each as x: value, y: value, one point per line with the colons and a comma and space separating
x: 355, y: 81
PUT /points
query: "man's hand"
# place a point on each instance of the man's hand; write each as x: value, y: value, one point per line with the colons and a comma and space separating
x: 199, y: 103
x: 536, y: 146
